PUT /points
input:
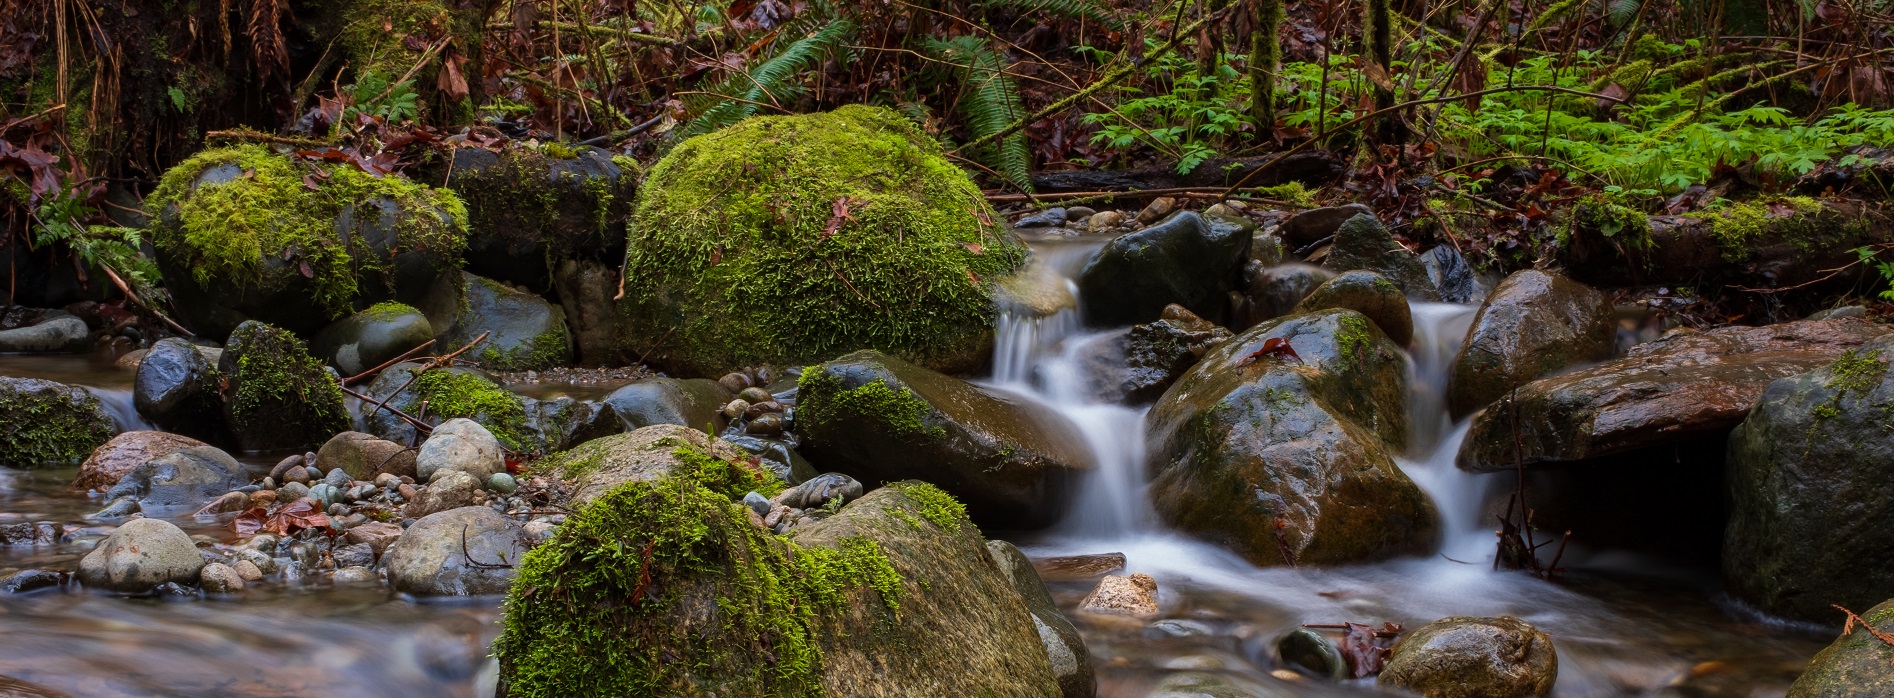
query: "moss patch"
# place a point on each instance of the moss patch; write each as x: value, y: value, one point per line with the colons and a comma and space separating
x: 546, y: 350
x: 451, y: 394
x: 46, y: 424
x: 787, y: 240
x: 1797, y: 219
x: 279, y: 391
x: 905, y: 413
x: 938, y: 507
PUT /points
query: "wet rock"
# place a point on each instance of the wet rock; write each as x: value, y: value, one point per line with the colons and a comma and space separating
x: 1278, y: 456
x: 1463, y: 657
x: 372, y: 337
x: 26, y: 581
x: 277, y: 395
x: 1049, y: 218
x: 1456, y: 279
x: 139, y: 556
x: 1135, y: 595
x: 124, y: 452
x: 30, y: 533
x: 56, y: 331
x: 1104, y: 221
x: 1203, y: 684
x: 1314, y: 225
x: 1036, y: 290
x: 356, y: 555
x: 1533, y: 324
x: 47, y: 424
x: 528, y: 211
x: 354, y: 576
x: 1273, y: 292
x: 460, y: 444
x: 644, y: 455
x: 364, y: 457
x: 502, y: 483
x: 519, y: 423
x: 777, y: 456
x: 1189, y: 260
x: 1806, y: 471
x: 450, y: 489
x: 1079, y: 567
x: 247, y: 571
x: 880, y: 419
x: 817, y: 492
x: 1682, y: 385
x: 765, y: 425
x: 523, y: 331
x: 219, y: 578
x: 177, y: 389
x: 1855, y: 665
x: 563, y: 422
x: 377, y: 535
x: 226, y: 503
x: 1841, y: 312
x: 1157, y: 210
x: 1367, y: 293
x: 1362, y: 243
x: 1071, y: 662
x: 469, y: 551
x: 585, y: 289
x: 691, y: 403
x: 1312, y: 653
x: 1156, y: 354
x: 184, y: 477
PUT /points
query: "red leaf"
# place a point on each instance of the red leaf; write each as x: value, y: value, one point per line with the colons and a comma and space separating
x: 309, y: 182
x: 249, y: 522
x: 1366, y: 648
x: 296, y: 516
x: 838, y: 212
x: 1274, y: 348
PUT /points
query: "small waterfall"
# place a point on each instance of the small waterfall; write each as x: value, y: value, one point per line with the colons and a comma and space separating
x: 118, y: 405
x: 1460, y: 497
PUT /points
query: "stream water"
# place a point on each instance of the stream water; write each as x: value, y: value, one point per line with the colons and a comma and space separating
x: 1624, y: 625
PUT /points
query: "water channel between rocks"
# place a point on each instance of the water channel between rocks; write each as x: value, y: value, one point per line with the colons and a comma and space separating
x: 1623, y: 624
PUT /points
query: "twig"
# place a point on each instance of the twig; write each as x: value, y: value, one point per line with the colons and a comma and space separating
x: 120, y: 283
x: 385, y: 364
x: 419, y: 426
x: 476, y: 564
x: 244, y: 134
x: 655, y: 345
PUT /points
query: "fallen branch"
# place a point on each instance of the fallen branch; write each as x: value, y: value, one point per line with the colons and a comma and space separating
x: 122, y: 288
x: 419, y: 426
x: 385, y: 364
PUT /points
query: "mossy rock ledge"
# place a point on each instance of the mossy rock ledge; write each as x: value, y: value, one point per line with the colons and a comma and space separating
x: 245, y: 234
x: 45, y: 424
x: 663, y: 586
x: 793, y: 239
x: 278, y: 396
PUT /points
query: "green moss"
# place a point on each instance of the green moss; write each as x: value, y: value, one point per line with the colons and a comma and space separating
x: 1738, y: 226
x: 556, y: 149
x: 731, y: 480
x: 1292, y: 193
x: 899, y: 409
x: 277, y: 384
x: 1855, y: 371
x: 1625, y: 226
x: 519, y: 199
x: 546, y: 350
x: 388, y: 310
x: 738, y: 254
x: 266, y: 209
x: 451, y: 394
x: 1353, y: 339
x: 938, y: 507
x: 45, y: 424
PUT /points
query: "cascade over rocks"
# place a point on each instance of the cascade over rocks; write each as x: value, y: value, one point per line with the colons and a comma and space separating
x: 1809, y: 472
x: 46, y: 424
x: 1367, y: 293
x: 1463, y: 657
x: 523, y: 331
x: 176, y: 387
x: 1275, y: 456
x: 1190, y: 259
x: 788, y: 240
x: 1533, y: 324
x: 372, y: 337
x: 1855, y: 665
x: 1362, y: 242
x: 277, y: 396
x: 879, y: 419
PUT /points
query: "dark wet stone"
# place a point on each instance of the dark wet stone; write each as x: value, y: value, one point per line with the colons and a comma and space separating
x: 372, y: 337
x: 1071, y: 662
x: 1463, y: 657
x: 685, y: 402
x: 1367, y: 293
x: 111, y: 461
x: 1314, y: 225
x: 522, y: 330
x: 31, y: 580
x: 177, y: 389
x: 1534, y: 324
x: 1456, y: 279
x: 1156, y: 354
x: 1362, y: 243
x: 1273, y: 292
x: 1313, y: 653
x: 1189, y: 259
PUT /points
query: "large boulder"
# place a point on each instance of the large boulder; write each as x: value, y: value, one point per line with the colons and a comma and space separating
x: 1363, y: 243
x: 176, y: 387
x: 1809, y: 472
x: 277, y: 395
x: 1065, y: 648
x: 1285, y: 457
x: 1316, y: 225
x: 521, y: 424
x: 531, y: 209
x: 1189, y: 259
x: 648, y: 454
x: 470, y: 551
x: 47, y: 424
x: 139, y: 556
x: 111, y: 461
x: 668, y: 588
x: 690, y: 402
x: 1463, y: 657
x: 1856, y: 665
x: 880, y: 419
x: 372, y: 337
x: 245, y: 234
x: 788, y: 240
x: 1367, y: 293
x: 1684, y: 384
x: 523, y: 331
x: 1533, y: 324
x: 185, y: 477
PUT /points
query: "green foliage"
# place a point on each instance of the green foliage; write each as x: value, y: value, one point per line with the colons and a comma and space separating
x: 456, y: 393
x: 990, y: 102
x: 1091, y: 10
x: 1197, y: 118
x: 772, y: 82
x: 45, y: 424
x: 1869, y: 257
x: 59, y: 223
x: 372, y: 95
x: 277, y: 384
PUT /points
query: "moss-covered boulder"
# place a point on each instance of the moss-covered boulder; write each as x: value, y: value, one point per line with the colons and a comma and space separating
x: 1462, y: 657
x: 792, y: 239
x: 45, y: 424
x: 1856, y: 665
x: 368, y: 339
x: 666, y: 588
x: 1809, y: 473
x: 521, y: 424
x: 1288, y: 456
x: 530, y: 209
x: 243, y: 233
x: 1367, y: 293
x: 1532, y: 324
x: 1189, y: 259
x: 880, y: 419
x: 278, y: 396
x: 523, y: 332
x: 649, y: 454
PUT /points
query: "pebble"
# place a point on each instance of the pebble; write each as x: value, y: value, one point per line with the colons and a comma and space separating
x: 736, y: 408
x: 406, y: 490
x: 291, y: 492
x: 283, y: 466
x: 338, y: 509
x: 734, y: 382
x: 1157, y: 210
x: 247, y: 570
x: 754, y: 395
x: 354, y: 575
x: 765, y: 425
x: 219, y: 578
x: 759, y: 409
x: 325, y: 494
x: 298, y: 475
x: 541, y: 530
x: 264, y: 498
x: 228, y: 502
x: 1221, y: 210
x: 338, y: 479
x: 1104, y: 220
x: 259, y: 559
x: 387, y: 480
x: 502, y: 483
x: 757, y: 502
x: 1078, y: 213
x: 357, y: 555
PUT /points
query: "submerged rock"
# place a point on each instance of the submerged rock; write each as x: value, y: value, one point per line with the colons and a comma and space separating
x: 125, y: 452
x: 1855, y: 665
x: 523, y: 331
x: 185, y: 477
x: 176, y: 387
x: 1189, y: 259
x: 469, y: 551
x: 1532, y: 325
x: 372, y: 337
x: 46, y: 424
x: 1367, y: 293
x: 1203, y: 684
x: 1463, y: 657
x: 1362, y: 243
x: 277, y: 395
x: 880, y: 419
x: 139, y: 556
x: 1065, y: 648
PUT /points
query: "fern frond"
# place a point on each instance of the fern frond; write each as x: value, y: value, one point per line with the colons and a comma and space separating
x: 1075, y: 9
x: 990, y: 104
x: 770, y: 82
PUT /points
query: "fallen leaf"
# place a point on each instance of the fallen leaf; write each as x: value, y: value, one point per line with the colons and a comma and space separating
x: 974, y: 247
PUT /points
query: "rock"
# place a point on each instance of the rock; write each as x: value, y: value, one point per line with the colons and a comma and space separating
x: 1841, y: 312
x: 1135, y: 595
x: 1157, y: 210
x: 1071, y: 662
x: 529, y: 210
x: 364, y: 457
x: 226, y: 503
x: 585, y: 289
x: 563, y: 422
x: 313, y: 254
x: 690, y: 403
x: 124, y: 452
x: 1683, y: 384
x: 324, y: 495
x: 1532, y: 325
x: 291, y: 491
x: 56, y: 331
x: 372, y: 337
x: 1312, y: 653
x: 523, y: 331
x: 502, y: 483
x: 1273, y: 292
x: 817, y: 492
x: 1456, y: 279
x: 1079, y: 567
x: 277, y: 395
x: 1367, y: 293
x: 353, y: 576
x: 1156, y: 354
x: 177, y: 389
x: 469, y: 551
x: 1277, y: 454
x: 1805, y: 472
x: 1049, y: 218
x: 765, y: 425
x: 450, y: 489
x: 775, y: 455
x: 522, y: 424
x: 1188, y: 259
x: 139, y: 556
x: 184, y: 477
x: 247, y: 571
x: 26, y: 581
x: 356, y: 555
x: 47, y: 424
x: 879, y: 419
x: 961, y: 629
x: 937, y: 248
x: 1204, y: 684
x: 1103, y: 221
x: 375, y: 534
x: 29, y: 533
x: 1362, y: 243
x: 1463, y: 657
x: 1037, y: 290
x: 1314, y: 225
x: 645, y: 455
x: 460, y: 444
x: 1855, y: 665
x: 219, y: 578
x: 1078, y: 213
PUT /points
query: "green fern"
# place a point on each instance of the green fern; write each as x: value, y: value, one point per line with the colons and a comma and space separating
x: 1075, y: 9
x: 990, y: 104
x: 771, y: 81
